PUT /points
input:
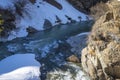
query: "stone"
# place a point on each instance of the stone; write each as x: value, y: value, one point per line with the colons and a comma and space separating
x: 32, y: 1
x: 31, y: 30
x: 47, y: 24
x: 73, y: 58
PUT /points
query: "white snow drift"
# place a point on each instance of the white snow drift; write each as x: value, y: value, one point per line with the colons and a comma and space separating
x: 19, y: 67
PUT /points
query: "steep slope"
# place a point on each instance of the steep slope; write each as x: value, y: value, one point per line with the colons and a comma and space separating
x: 39, y: 14
x: 101, y: 58
x: 85, y: 5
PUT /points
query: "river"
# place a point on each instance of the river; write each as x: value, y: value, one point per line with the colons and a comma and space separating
x: 49, y: 46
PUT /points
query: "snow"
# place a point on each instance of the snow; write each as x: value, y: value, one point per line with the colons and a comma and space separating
x: 19, y: 67
x: 35, y: 16
x: 84, y: 33
x: 24, y: 73
x: 6, y: 3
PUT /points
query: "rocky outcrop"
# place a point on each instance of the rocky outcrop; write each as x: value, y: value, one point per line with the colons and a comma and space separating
x: 84, y: 5
x: 101, y: 58
x: 6, y: 22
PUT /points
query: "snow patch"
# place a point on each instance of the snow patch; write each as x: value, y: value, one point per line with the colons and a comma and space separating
x: 84, y: 33
x: 19, y: 67
x: 24, y: 73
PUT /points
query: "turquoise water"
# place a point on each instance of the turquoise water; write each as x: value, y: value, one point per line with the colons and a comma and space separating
x: 40, y: 39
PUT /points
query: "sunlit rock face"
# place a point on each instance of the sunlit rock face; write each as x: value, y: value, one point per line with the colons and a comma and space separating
x: 101, y: 58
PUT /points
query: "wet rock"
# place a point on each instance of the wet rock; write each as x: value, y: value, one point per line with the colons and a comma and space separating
x: 101, y: 58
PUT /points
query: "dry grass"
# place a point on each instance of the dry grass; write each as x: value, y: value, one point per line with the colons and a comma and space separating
x: 98, y: 10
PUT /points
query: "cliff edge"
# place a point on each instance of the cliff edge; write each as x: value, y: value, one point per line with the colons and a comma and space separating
x: 101, y: 58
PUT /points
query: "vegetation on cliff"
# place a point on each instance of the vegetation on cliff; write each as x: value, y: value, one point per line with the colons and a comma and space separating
x: 6, y: 22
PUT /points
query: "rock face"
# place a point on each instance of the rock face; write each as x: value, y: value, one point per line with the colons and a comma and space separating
x: 6, y: 22
x: 84, y: 5
x: 101, y: 58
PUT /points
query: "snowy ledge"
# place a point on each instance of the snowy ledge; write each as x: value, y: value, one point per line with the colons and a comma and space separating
x: 35, y: 15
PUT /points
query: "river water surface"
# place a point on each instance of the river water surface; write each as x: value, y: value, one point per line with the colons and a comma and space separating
x: 49, y: 46
x: 42, y: 38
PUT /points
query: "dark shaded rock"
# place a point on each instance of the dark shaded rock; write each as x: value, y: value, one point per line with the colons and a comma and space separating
x: 47, y: 24
x: 54, y: 3
x: 57, y: 20
x: 6, y: 22
x: 31, y: 30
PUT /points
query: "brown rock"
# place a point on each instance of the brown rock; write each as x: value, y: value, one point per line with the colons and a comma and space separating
x: 101, y: 58
x: 73, y: 58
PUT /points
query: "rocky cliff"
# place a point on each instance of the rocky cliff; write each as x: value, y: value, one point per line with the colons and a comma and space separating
x: 101, y: 57
x: 85, y: 5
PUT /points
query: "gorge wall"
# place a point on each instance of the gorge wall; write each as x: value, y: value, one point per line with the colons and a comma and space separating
x: 101, y: 57
x: 85, y: 5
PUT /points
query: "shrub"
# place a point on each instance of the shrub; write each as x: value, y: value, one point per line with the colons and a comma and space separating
x: 98, y: 10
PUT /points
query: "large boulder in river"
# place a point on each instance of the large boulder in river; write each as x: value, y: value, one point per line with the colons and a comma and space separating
x: 101, y: 57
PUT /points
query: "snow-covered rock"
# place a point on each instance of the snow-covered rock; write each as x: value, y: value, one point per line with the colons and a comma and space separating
x: 19, y: 67
x: 78, y: 42
x: 34, y: 15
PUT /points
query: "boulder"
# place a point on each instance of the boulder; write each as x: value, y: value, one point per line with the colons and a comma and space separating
x: 73, y: 58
